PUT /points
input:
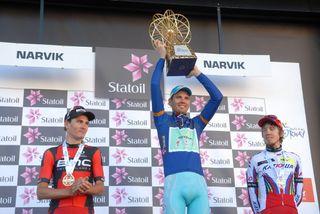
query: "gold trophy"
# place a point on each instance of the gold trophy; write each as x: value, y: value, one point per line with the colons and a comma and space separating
x: 174, y: 31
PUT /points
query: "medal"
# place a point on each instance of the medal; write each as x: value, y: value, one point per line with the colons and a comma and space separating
x: 68, y: 180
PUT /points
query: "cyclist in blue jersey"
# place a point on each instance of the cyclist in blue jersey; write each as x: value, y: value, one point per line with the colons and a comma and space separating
x: 184, y: 184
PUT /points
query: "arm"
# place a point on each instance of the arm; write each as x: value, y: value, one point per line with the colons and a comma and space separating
x: 215, y: 95
x: 298, y: 181
x: 252, y: 186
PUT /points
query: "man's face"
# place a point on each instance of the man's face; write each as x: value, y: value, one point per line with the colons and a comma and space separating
x: 180, y: 102
x: 271, y: 135
x: 77, y: 128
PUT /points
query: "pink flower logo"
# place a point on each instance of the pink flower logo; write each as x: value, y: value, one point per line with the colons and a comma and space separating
x: 244, y: 197
x: 32, y: 134
x: 77, y: 98
x: 207, y: 174
x: 29, y: 174
x: 199, y: 103
x: 239, y: 121
x: 34, y: 97
x: 119, y: 102
x: 210, y: 195
x: 119, y: 118
x: 31, y: 154
x: 242, y: 157
x: 120, y: 174
x: 158, y: 157
x: 27, y: 195
x: 247, y: 211
x: 159, y: 196
x: 203, y: 138
x: 120, y: 155
x: 33, y: 115
x: 237, y: 104
x: 242, y: 176
x: 240, y: 139
x: 120, y: 136
x: 137, y: 65
x: 204, y: 156
x: 25, y: 211
x: 119, y: 195
x: 160, y: 176
x: 120, y: 211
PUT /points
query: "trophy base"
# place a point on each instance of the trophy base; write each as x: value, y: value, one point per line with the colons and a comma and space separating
x: 181, y: 66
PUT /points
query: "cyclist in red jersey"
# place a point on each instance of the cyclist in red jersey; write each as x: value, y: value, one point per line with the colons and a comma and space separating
x: 75, y: 169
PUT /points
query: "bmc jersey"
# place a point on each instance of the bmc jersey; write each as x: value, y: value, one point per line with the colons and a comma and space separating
x: 274, y: 179
x: 53, y: 167
x: 178, y: 135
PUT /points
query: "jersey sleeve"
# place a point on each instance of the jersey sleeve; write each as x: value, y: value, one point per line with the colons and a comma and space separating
x: 97, y: 167
x: 215, y: 99
x: 298, y: 182
x: 46, y: 168
x: 253, y: 188
x: 156, y: 94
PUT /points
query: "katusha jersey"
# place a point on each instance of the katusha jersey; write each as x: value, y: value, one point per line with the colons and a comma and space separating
x: 53, y: 169
x: 274, y: 178
x: 178, y: 134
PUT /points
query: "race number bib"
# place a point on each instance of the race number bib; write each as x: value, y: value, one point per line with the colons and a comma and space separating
x: 183, y: 140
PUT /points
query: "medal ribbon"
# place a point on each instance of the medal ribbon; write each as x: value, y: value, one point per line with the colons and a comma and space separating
x: 280, y: 174
x: 70, y: 164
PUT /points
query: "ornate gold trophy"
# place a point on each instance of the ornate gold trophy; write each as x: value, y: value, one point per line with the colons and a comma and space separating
x: 174, y: 31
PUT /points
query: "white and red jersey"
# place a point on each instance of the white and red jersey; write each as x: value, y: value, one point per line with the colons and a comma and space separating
x: 274, y: 178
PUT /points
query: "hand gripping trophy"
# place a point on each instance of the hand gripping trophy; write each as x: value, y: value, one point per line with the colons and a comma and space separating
x: 174, y: 31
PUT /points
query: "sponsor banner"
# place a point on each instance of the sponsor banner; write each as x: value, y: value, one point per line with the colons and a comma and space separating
x: 240, y: 105
x: 11, y: 97
x: 39, y: 116
x: 86, y: 99
x: 247, y: 141
x: 32, y: 155
x: 8, y: 196
x: 234, y: 65
x: 130, y: 176
x: 241, y: 122
x: 222, y: 197
x: 48, y: 56
x: 218, y: 158
x: 10, y: 115
x: 42, y: 135
x: 154, y: 139
x: 242, y: 197
x: 219, y: 122
x: 130, y: 196
x: 241, y: 158
x: 27, y: 197
x: 157, y: 157
x: 130, y: 157
x: 97, y: 136
x: 9, y: 155
x: 240, y: 177
x: 45, y: 98
x: 28, y: 175
x: 130, y: 137
x: 129, y: 104
x: 133, y: 68
x: 219, y: 177
x: 101, y: 200
x: 158, y: 175
x: 10, y: 135
x: 8, y: 176
x: 215, y: 140
x: 129, y: 119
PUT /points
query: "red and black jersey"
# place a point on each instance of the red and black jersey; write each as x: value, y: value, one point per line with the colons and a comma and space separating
x: 53, y: 167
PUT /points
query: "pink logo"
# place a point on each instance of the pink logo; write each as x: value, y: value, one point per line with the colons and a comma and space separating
x: 199, y: 103
x: 207, y: 174
x: 120, y: 155
x: 160, y: 176
x: 32, y: 134
x: 119, y: 102
x: 120, y: 174
x: 29, y: 174
x: 242, y: 176
x: 33, y: 115
x: 25, y: 211
x: 120, y: 211
x: 77, y: 98
x: 237, y: 104
x: 119, y: 137
x: 137, y: 66
x: 158, y: 157
x: 27, y: 195
x: 34, y: 97
x: 210, y: 195
x: 31, y: 154
x: 204, y: 156
x: 240, y: 139
x: 242, y: 157
x: 159, y: 196
x: 119, y: 118
x: 239, y: 121
x: 119, y: 195
x: 203, y: 138
x: 247, y: 211
x: 244, y: 197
